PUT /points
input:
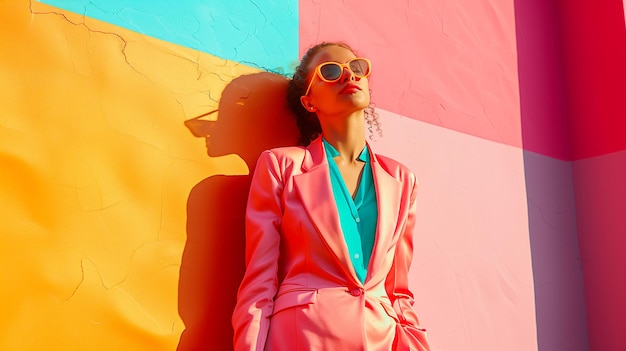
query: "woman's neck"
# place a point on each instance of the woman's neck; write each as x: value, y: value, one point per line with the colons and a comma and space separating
x: 347, y: 135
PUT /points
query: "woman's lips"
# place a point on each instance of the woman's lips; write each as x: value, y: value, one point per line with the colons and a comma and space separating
x: 350, y: 88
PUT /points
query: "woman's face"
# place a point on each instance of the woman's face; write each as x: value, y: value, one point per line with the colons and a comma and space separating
x: 346, y: 95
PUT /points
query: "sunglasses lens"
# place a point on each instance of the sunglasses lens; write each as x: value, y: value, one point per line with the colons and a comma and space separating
x: 360, y: 67
x: 331, y: 71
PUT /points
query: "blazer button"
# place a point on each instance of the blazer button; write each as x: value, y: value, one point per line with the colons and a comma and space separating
x: 356, y: 292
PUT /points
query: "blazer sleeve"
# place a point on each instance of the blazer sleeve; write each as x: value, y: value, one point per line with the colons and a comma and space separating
x: 410, y: 335
x: 255, y: 299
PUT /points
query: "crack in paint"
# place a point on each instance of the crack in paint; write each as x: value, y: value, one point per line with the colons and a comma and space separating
x: 124, y: 43
x: 82, y: 280
x: 89, y: 29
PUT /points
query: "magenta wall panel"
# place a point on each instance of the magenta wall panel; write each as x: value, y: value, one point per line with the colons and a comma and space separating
x: 594, y: 51
x: 571, y: 63
x: 601, y: 207
x: 594, y: 48
x: 541, y: 77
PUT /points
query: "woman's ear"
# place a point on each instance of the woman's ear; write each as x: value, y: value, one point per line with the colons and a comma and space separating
x: 307, y: 104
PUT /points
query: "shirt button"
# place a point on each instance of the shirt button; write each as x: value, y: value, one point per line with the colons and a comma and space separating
x: 356, y: 256
x: 356, y: 292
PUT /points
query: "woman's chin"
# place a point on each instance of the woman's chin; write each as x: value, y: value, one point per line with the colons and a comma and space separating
x: 357, y: 99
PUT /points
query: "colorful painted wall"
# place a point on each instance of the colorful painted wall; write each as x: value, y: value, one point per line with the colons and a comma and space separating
x: 128, y: 131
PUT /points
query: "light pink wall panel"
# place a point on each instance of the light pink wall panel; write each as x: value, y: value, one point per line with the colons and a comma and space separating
x: 447, y: 63
x: 472, y: 271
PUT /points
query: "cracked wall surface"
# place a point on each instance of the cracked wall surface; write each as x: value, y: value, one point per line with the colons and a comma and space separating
x: 97, y: 166
x: 128, y: 133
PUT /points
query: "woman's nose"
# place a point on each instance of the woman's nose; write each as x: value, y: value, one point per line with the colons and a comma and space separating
x: 347, y: 75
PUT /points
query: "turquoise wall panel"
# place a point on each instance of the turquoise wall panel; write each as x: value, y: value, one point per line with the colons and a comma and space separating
x: 262, y: 33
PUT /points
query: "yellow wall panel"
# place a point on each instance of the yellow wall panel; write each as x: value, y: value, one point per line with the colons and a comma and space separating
x: 96, y: 173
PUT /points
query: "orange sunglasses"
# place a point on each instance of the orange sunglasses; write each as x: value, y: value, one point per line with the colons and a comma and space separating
x: 331, y: 71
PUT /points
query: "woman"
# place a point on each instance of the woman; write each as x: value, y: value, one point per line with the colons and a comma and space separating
x: 329, y: 226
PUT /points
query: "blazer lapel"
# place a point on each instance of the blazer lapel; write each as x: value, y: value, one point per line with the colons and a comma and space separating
x: 388, y: 196
x: 316, y: 195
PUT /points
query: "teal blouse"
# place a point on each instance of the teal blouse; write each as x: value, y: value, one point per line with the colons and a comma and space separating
x: 358, y: 216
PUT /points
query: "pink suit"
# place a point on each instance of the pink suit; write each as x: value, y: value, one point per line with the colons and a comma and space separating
x: 300, y: 291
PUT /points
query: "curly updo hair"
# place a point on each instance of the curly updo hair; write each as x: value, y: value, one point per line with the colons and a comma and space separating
x: 307, y: 121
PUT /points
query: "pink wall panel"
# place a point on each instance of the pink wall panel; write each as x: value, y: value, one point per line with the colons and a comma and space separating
x: 451, y: 64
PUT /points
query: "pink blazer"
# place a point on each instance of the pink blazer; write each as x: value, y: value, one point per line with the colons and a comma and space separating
x: 300, y: 291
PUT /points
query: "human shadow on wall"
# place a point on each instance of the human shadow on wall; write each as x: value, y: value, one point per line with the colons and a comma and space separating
x: 252, y: 116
